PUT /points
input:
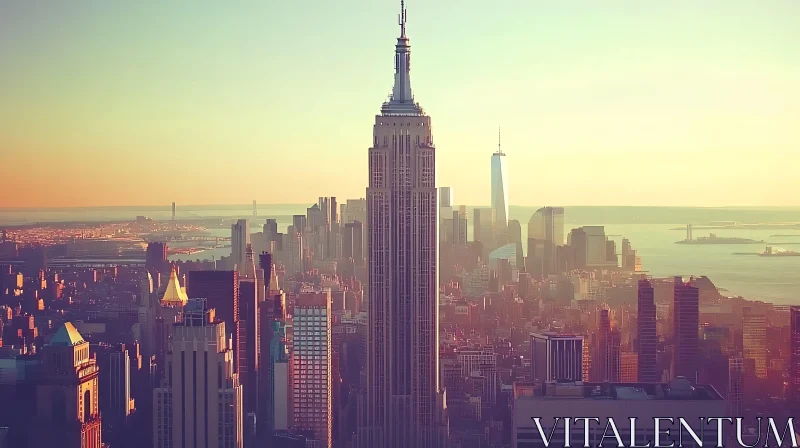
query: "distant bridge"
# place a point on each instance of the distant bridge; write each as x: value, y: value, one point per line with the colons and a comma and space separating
x: 84, y: 262
x: 180, y: 238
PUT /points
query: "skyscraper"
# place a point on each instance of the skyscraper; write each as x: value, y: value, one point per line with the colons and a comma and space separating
x: 240, y: 238
x: 500, y: 189
x: 221, y: 291
x: 156, y: 257
x: 754, y: 339
x: 445, y: 197
x: 686, y: 318
x: 556, y: 357
x: 483, y: 227
x: 67, y: 394
x: 794, y: 369
x: 200, y: 401
x: 352, y: 242
x: 646, y: 336
x: 247, y: 348
x: 311, y: 366
x: 114, y: 387
x: 735, y: 396
x: 545, y: 233
x: 404, y: 406
x: 606, y: 361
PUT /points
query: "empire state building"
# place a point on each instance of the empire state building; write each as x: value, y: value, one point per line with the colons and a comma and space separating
x: 403, y: 406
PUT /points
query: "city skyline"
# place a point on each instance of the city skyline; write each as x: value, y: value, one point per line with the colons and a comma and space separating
x: 147, y: 95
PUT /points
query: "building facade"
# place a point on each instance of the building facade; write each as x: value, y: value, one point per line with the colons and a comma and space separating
x: 311, y: 366
x: 67, y: 394
x: 686, y: 321
x: 200, y: 400
x: 240, y: 238
x: 500, y: 192
x: 403, y: 404
x: 619, y: 402
x: 754, y: 339
x: 794, y: 369
x: 647, y: 339
x: 556, y: 357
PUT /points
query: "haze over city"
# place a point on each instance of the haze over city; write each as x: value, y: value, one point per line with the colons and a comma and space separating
x: 144, y: 103
x: 215, y: 231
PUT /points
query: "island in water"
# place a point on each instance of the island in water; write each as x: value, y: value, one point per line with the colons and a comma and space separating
x: 714, y: 239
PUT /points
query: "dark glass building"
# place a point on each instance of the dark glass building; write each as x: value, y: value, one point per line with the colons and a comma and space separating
x: 646, y: 337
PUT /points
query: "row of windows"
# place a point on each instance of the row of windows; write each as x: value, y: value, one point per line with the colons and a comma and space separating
x: 302, y: 311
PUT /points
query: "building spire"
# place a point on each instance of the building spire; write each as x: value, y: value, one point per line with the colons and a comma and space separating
x: 499, y: 148
x: 402, y: 18
x: 401, y: 100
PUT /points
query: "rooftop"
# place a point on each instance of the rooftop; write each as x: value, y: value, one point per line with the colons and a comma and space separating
x: 66, y: 336
x: 679, y: 389
x: 174, y: 295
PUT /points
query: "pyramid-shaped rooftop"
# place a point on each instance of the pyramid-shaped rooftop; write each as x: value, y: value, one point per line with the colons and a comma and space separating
x: 67, y: 336
x: 174, y: 295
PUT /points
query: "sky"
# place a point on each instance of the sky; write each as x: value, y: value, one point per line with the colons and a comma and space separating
x: 647, y: 102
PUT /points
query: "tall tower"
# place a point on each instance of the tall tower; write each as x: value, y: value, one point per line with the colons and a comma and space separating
x: 67, y: 395
x: 754, y: 339
x: 311, y: 360
x: 240, y: 238
x: 606, y: 361
x: 794, y: 369
x: 200, y: 400
x: 685, y: 321
x: 646, y: 333
x: 735, y: 397
x: 500, y: 189
x: 404, y: 406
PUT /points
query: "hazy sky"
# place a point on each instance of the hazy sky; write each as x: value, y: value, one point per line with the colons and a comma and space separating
x: 679, y: 102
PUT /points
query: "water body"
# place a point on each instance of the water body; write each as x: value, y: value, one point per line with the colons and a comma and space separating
x: 773, y: 279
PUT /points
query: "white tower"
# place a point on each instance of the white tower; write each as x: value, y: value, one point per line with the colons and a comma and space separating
x: 500, y: 188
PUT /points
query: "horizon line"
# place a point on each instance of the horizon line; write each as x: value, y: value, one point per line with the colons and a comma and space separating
x: 168, y: 207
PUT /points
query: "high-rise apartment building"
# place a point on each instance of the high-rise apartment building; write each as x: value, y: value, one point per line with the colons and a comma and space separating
x: 446, y: 197
x: 156, y: 257
x: 455, y: 227
x: 270, y: 233
x: 67, y: 394
x: 794, y: 368
x: 199, y: 403
x: 685, y: 321
x: 353, y: 242
x: 545, y: 234
x: 646, y: 337
x: 606, y: 361
x: 311, y: 366
x: 735, y: 398
x: 221, y: 291
x: 276, y: 389
x: 547, y: 224
x: 556, y: 357
x: 481, y: 363
x: 445, y: 212
x: 114, y: 387
x: 300, y: 222
x: 240, y: 238
x: 404, y: 406
x: 294, y: 250
x: 246, y: 348
x: 754, y: 339
x: 483, y: 227
x: 629, y: 367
